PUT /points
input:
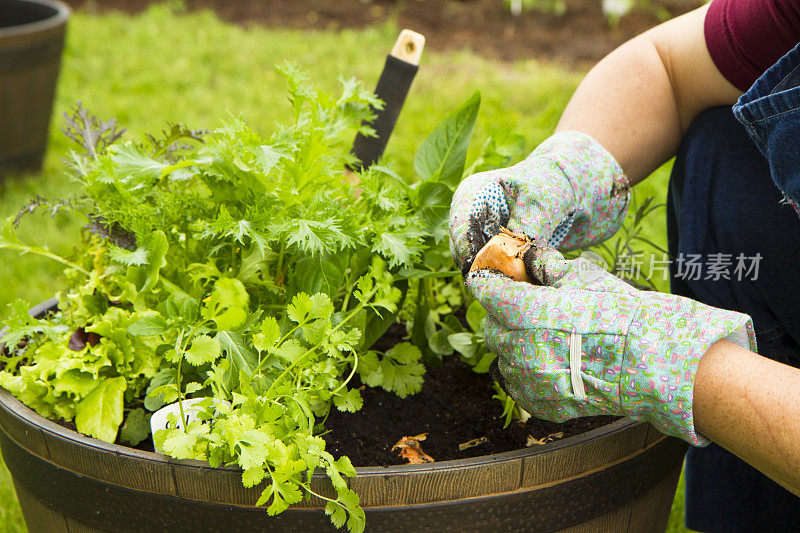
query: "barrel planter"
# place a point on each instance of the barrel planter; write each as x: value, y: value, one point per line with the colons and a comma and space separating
x: 31, y: 42
x: 619, y: 477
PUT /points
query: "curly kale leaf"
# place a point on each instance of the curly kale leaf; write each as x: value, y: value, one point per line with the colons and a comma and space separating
x: 20, y: 325
x: 89, y: 132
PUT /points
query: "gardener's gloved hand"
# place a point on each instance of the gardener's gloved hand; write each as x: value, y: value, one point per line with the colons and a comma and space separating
x: 590, y: 344
x: 569, y: 193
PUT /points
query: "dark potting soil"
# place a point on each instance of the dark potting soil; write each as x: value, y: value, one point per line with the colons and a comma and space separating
x: 454, y: 406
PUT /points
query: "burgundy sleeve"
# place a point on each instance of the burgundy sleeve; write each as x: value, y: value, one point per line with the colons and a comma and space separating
x: 746, y: 37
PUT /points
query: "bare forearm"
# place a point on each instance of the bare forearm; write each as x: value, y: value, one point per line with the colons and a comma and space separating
x: 633, y: 115
x: 750, y: 406
x: 638, y: 101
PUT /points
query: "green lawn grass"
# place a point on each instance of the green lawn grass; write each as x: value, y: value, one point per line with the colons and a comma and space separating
x: 167, y: 66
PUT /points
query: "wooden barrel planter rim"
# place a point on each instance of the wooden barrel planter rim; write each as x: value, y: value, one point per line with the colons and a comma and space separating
x: 609, y: 478
x: 23, y: 412
x: 82, y: 490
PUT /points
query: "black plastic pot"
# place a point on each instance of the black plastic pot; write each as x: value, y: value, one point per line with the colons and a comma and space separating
x: 31, y: 42
x: 620, y: 477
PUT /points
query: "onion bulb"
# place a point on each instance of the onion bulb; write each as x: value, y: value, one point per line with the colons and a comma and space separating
x: 504, y: 252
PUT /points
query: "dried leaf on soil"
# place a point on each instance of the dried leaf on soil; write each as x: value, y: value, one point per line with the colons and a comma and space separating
x: 532, y: 441
x: 472, y: 443
x: 409, y: 448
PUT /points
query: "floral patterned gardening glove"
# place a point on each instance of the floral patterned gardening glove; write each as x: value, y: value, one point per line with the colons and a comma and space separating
x: 569, y: 193
x: 588, y: 344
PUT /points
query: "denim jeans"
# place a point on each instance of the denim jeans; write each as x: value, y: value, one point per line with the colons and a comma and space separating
x: 770, y: 112
x: 735, y: 179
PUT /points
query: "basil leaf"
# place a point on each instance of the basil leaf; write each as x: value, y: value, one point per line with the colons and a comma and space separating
x: 442, y: 155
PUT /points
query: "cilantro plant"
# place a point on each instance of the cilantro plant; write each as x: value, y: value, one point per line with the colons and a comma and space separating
x: 245, y: 271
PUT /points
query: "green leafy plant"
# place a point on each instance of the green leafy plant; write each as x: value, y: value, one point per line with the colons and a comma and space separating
x: 242, y: 270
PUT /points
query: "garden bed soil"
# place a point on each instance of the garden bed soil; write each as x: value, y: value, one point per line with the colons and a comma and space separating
x: 580, y: 36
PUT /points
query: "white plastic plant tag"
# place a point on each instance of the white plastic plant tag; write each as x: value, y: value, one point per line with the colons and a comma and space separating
x: 159, y: 419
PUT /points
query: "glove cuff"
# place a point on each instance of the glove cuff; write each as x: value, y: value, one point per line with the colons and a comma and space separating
x: 600, y: 189
x: 666, y: 340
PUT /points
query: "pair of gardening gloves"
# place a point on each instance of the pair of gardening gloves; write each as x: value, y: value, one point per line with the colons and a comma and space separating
x: 583, y: 342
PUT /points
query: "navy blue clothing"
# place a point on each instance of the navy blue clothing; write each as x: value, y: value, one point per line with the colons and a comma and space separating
x: 723, y: 199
